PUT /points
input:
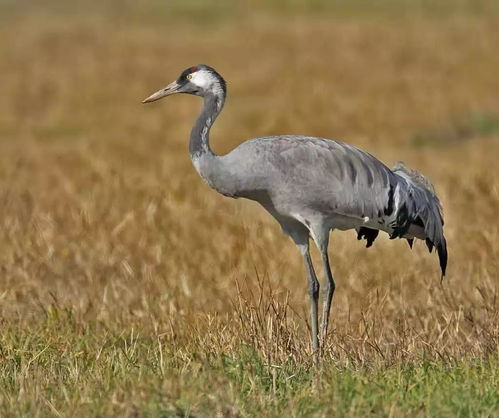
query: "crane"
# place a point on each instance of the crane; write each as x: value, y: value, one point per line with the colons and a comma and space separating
x: 311, y: 186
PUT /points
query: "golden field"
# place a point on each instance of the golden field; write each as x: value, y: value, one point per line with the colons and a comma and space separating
x: 116, y: 258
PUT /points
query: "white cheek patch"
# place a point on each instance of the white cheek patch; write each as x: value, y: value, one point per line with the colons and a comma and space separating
x: 201, y: 79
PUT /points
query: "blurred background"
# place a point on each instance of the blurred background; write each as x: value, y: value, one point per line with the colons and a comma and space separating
x: 103, y: 215
x: 128, y: 287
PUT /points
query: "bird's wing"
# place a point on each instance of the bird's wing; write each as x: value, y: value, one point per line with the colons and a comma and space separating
x: 332, y: 177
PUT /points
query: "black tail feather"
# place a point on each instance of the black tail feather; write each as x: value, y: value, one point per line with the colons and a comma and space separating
x: 442, y: 256
x: 367, y: 233
x: 419, y: 205
x: 441, y: 251
x: 429, y: 244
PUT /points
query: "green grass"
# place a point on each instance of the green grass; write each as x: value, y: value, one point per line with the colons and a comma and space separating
x: 477, y: 125
x: 61, y: 365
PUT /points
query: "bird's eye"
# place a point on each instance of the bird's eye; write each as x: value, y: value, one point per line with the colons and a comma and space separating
x: 189, y: 76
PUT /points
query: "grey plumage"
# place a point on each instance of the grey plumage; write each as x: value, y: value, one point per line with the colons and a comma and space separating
x: 311, y: 186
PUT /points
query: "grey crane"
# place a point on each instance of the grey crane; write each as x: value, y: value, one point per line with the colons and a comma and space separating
x: 312, y: 186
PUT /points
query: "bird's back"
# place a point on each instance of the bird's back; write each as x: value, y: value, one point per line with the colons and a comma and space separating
x: 322, y: 175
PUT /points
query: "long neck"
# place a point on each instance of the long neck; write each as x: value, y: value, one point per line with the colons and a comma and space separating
x: 199, y: 144
x: 211, y: 167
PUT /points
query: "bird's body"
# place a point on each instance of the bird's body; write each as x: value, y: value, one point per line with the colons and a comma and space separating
x: 323, y: 180
x: 312, y: 185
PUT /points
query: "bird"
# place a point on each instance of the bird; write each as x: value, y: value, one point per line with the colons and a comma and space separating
x: 312, y: 186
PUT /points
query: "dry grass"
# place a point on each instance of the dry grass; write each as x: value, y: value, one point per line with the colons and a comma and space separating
x: 120, y: 267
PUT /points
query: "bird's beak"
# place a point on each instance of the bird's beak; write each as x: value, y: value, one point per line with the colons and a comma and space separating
x: 171, y: 88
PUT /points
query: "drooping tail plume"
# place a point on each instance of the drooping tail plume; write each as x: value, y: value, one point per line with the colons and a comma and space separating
x: 420, y: 207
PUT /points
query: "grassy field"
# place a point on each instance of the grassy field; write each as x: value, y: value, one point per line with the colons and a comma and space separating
x: 129, y: 288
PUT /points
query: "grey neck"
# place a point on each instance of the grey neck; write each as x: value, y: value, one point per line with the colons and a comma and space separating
x: 211, y: 167
x: 199, y: 144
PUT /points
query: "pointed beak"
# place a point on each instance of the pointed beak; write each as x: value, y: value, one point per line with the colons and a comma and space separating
x: 171, y: 88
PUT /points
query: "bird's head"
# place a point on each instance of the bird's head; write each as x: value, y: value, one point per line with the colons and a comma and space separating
x: 200, y: 80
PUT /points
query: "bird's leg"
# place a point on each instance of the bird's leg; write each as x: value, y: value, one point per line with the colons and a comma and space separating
x: 313, y: 289
x: 300, y: 236
x: 328, y: 294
